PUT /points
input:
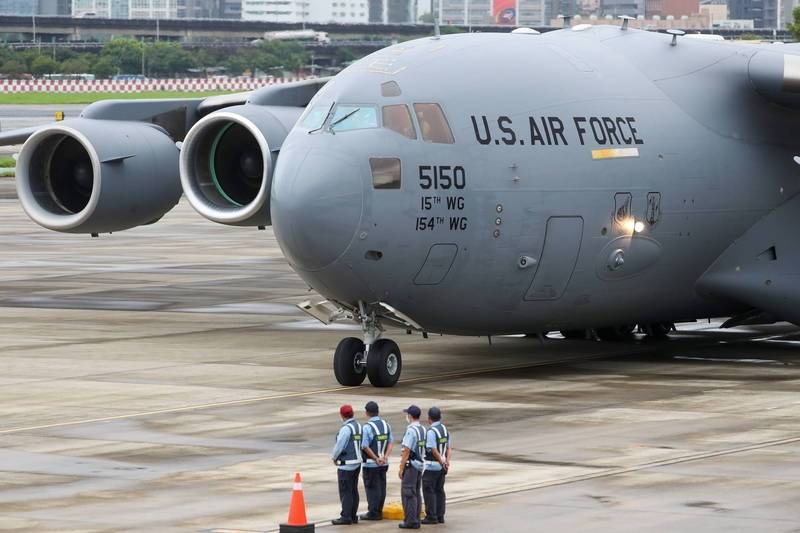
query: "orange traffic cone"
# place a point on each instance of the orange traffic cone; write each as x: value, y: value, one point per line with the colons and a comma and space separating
x: 297, y: 522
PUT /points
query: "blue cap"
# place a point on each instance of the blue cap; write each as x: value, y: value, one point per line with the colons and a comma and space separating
x: 434, y: 413
x: 371, y: 407
x: 413, y: 410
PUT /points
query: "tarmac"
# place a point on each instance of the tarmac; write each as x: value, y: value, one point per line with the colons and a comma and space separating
x: 162, y: 379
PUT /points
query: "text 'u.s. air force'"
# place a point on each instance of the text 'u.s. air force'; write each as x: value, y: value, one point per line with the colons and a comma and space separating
x: 553, y: 131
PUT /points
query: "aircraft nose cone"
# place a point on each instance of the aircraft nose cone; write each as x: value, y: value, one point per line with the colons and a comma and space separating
x: 316, y: 205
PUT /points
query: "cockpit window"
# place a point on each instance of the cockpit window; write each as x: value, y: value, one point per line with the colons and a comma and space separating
x: 353, y: 117
x: 397, y: 118
x: 433, y: 124
x: 315, y: 117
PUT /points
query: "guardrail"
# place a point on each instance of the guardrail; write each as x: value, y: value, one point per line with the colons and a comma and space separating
x: 132, y: 86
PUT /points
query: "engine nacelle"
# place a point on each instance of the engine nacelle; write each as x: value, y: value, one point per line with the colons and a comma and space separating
x: 97, y: 176
x: 227, y: 160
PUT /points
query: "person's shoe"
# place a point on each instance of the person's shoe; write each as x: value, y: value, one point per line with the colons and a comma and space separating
x: 403, y: 525
x: 341, y: 522
x: 441, y: 520
x: 355, y: 519
x: 429, y: 521
x: 367, y: 516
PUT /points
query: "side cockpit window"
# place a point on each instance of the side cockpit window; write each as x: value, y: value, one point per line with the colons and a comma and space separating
x: 353, y: 117
x: 385, y: 172
x: 315, y: 117
x: 433, y: 124
x: 398, y: 119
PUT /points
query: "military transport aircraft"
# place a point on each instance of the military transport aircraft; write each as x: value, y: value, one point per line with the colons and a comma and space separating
x: 597, y: 177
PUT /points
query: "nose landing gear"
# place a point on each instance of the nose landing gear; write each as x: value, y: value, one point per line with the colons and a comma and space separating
x: 376, y: 358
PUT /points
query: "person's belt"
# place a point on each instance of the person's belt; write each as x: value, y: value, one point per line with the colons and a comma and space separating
x: 349, y: 462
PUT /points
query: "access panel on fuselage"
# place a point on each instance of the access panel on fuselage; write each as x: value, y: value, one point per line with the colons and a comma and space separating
x: 562, y: 243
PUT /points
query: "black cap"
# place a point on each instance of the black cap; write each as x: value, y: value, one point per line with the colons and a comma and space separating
x: 413, y: 410
x: 371, y: 407
x: 434, y: 413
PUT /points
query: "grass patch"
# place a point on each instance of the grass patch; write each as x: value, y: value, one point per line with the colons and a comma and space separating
x: 88, y: 98
x: 7, y: 162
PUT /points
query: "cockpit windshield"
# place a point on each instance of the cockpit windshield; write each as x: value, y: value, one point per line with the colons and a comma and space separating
x: 347, y: 117
x: 315, y: 117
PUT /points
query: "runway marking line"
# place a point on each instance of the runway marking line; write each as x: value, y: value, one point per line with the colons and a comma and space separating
x: 245, y: 401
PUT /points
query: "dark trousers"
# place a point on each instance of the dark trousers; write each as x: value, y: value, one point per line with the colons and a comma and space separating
x: 375, y: 487
x: 348, y: 492
x: 409, y: 494
x: 433, y: 492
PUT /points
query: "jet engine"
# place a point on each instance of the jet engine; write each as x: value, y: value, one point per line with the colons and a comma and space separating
x: 97, y: 176
x: 227, y: 160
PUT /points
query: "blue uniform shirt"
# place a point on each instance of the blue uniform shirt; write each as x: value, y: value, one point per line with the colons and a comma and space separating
x: 410, y: 442
x: 367, y: 437
x: 341, y: 441
x: 430, y: 444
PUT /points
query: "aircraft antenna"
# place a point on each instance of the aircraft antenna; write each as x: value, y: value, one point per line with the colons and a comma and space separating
x: 675, y: 34
x: 625, y: 19
x: 436, y: 30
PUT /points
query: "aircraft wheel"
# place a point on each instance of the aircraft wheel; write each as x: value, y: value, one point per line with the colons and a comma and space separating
x: 384, y: 363
x: 573, y: 333
x: 347, y: 365
x: 616, y: 333
x: 657, y: 330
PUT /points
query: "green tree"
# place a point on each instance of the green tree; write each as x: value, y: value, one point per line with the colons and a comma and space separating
x: 345, y: 55
x: 75, y: 65
x: 794, y: 26
x: 104, y: 68
x: 167, y: 59
x: 12, y: 69
x: 289, y: 55
x: 43, y: 65
x: 125, y: 55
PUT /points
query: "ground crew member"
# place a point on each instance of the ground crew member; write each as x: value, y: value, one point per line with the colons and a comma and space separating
x: 411, y: 466
x: 437, y: 463
x: 377, y: 447
x: 347, y: 457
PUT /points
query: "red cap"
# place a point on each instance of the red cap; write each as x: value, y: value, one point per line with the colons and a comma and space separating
x: 346, y: 411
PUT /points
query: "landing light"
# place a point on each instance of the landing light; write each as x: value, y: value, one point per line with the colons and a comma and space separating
x: 631, y: 225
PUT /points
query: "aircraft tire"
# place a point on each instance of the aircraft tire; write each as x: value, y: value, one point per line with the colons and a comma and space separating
x: 616, y: 333
x: 345, y: 369
x: 384, y: 363
x: 657, y: 330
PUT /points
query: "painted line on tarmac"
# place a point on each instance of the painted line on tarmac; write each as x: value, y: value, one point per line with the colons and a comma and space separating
x: 625, y: 470
x: 246, y: 401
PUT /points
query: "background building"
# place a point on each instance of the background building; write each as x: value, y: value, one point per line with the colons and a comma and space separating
x: 615, y: 8
x: 18, y: 7
x: 393, y: 11
x: 763, y: 13
x: 52, y: 8
x: 676, y: 8
x: 126, y: 9
x: 311, y: 11
x: 501, y: 12
x: 715, y: 11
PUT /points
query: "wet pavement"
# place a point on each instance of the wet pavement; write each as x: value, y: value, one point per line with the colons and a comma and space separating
x: 162, y: 379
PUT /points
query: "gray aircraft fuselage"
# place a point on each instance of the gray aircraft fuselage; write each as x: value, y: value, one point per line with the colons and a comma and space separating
x: 594, y: 177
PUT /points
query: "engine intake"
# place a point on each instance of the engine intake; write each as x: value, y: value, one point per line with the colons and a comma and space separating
x: 227, y: 160
x: 97, y: 176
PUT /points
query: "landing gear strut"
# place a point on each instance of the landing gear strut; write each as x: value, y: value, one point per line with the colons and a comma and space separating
x: 376, y: 358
